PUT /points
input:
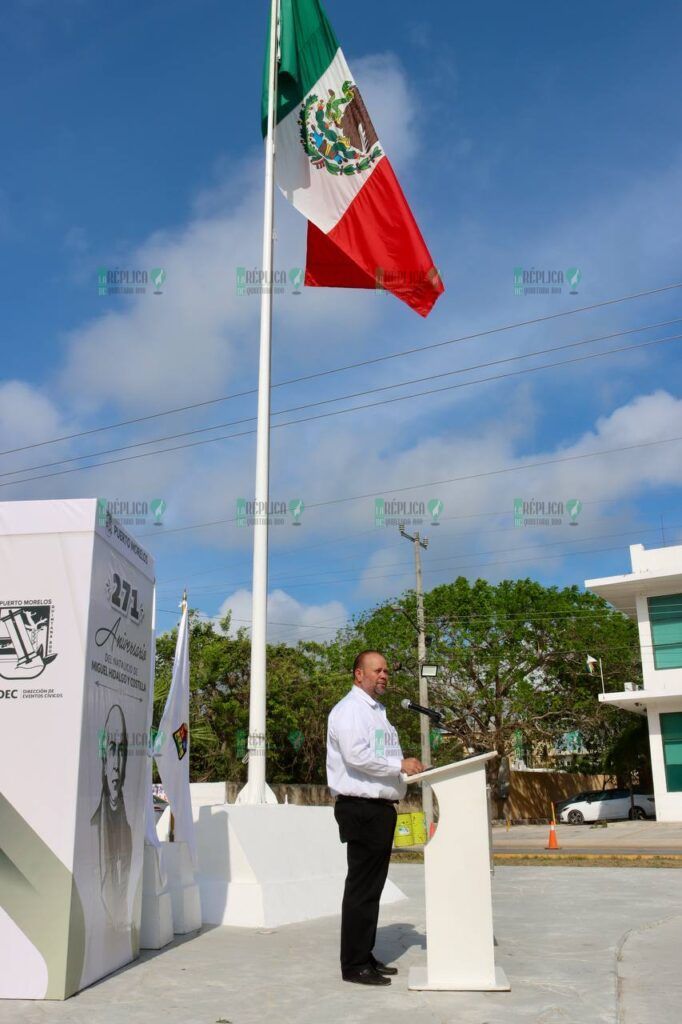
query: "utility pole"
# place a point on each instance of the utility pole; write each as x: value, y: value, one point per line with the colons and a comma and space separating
x: 425, y: 723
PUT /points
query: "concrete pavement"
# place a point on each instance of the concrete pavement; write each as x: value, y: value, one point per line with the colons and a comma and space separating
x: 619, y: 837
x: 580, y: 946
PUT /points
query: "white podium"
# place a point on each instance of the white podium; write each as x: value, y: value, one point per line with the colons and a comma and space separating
x: 459, y: 918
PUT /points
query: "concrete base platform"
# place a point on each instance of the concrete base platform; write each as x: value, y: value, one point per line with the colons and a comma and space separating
x: 156, y: 928
x: 184, y: 891
x: 156, y: 925
x: 418, y: 981
x: 270, y: 865
x: 580, y: 946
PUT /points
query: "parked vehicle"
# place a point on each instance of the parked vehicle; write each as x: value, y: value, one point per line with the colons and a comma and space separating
x: 560, y: 804
x: 606, y: 805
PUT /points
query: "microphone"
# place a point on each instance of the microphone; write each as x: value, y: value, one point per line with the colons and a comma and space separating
x: 437, y: 716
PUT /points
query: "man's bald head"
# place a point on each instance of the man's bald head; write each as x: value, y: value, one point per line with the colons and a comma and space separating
x: 370, y: 673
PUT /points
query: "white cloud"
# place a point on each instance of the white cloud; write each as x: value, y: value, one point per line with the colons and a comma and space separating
x: 26, y: 416
x: 289, y: 620
x: 390, y: 102
x: 199, y: 336
x: 390, y: 570
x: 175, y: 347
x: 199, y: 339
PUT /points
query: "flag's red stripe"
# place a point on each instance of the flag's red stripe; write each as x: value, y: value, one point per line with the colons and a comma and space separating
x: 376, y: 244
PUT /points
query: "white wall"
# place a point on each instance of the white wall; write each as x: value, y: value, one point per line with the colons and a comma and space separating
x: 656, y: 560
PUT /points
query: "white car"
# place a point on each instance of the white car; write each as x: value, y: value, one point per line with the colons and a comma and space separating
x: 607, y: 805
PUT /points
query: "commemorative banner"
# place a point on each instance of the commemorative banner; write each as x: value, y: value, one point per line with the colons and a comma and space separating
x: 76, y: 681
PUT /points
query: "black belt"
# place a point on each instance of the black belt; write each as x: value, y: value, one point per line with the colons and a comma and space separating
x: 367, y: 799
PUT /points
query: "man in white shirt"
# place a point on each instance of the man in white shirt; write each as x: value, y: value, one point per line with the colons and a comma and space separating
x: 364, y: 762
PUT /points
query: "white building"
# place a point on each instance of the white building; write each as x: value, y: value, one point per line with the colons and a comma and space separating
x: 652, y: 594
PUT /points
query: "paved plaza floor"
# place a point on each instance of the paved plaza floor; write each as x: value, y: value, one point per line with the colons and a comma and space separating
x: 617, y: 837
x: 579, y: 945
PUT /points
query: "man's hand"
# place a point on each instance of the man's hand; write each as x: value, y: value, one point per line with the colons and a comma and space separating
x: 411, y: 766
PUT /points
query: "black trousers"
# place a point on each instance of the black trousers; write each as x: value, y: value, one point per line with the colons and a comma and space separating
x: 367, y: 826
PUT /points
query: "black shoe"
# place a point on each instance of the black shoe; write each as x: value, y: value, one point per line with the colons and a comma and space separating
x: 382, y: 968
x: 365, y: 976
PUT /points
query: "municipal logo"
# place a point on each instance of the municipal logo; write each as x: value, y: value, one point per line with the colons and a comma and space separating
x: 25, y: 639
x: 181, y: 736
x: 337, y: 132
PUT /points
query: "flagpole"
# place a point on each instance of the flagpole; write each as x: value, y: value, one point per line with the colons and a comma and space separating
x: 256, y: 791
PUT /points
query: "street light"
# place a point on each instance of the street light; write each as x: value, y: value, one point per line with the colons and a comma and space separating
x: 399, y: 608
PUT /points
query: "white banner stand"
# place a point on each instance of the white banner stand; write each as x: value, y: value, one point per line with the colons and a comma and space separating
x: 460, y: 953
x: 76, y: 661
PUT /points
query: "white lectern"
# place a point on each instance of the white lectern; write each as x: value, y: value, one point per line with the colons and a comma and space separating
x: 459, y: 917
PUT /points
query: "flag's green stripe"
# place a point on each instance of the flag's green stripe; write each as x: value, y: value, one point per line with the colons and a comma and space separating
x: 308, y: 45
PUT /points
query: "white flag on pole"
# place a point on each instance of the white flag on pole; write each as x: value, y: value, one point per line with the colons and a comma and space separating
x: 171, y: 748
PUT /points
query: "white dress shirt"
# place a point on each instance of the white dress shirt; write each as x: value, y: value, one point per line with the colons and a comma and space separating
x: 363, y: 750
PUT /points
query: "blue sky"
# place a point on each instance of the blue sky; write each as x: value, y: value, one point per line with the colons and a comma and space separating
x: 544, y: 137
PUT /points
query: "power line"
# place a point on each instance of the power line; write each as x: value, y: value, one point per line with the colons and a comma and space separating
x: 448, y: 558
x: 219, y: 618
x: 494, y: 622
x: 345, y: 538
x: 307, y: 419
x: 311, y: 547
x: 497, y: 472
x: 292, y: 584
x: 436, y: 483
x: 378, y: 390
x: 349, y: 366
x: 458, y: 568
x: 451, y: 619
x: 371, y: 391
x: 595, y: 644
x: 439, y: 483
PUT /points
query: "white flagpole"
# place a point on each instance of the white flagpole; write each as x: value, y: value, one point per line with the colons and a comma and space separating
x: 256, y: 791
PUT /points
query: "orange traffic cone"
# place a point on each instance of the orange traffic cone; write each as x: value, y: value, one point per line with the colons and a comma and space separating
x: 552, y: 844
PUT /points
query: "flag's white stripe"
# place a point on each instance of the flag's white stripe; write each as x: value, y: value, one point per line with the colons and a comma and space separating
x: 320, y: 196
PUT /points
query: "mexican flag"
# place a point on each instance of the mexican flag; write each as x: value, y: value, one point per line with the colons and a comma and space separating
x: 330, y: 163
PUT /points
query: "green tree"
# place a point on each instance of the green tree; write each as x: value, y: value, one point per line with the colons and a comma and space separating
x: 512, y: 672
x: 219, y: 695
x: 304, y: 682
x: 511, y: 663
